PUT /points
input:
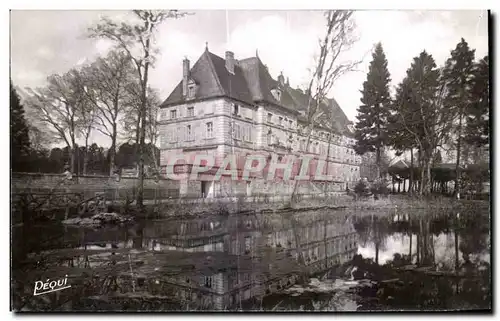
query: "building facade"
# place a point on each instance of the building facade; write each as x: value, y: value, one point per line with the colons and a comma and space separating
x: 224, y: 106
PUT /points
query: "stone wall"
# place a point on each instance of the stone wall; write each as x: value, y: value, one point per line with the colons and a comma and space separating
x: 89, y: 185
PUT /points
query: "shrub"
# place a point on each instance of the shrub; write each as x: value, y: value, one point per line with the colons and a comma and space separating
x: 361, y: 189
x: 379, y: 187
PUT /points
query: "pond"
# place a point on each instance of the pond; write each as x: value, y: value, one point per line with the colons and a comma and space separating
x: 316, y: 260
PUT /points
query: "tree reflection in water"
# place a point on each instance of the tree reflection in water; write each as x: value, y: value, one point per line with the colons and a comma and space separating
x: 432, y: 283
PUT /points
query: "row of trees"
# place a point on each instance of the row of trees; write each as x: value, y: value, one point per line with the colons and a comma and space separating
x: 94, y: 160
x: 433, y: 108
x: 100, y: 96
x: 109, y: 93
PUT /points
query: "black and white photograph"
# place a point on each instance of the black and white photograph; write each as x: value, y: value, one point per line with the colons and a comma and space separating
x: 250, y: 160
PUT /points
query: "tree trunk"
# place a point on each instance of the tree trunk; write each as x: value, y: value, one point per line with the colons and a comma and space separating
x: 410, y: 185
x: 418, y: 247
x: 411, y: 237
x: 138, y: 130
x: 86, y: 157
x: 112, y: 151
x: 327, y: 161
x: 378, y: 162
x: 377, y: 248
x: 428, y: 184
x: 73, y: 157
x: 294, y: 191
x: 399, y: 186
x: 422, y: 180
x: 325, y: 242
x: 404, y: 185
x: 144, y: 84
x: 457, y: 263
x: 457, y: 165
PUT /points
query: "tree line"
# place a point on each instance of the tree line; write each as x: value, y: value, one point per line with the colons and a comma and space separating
x: 433, y: 109
x: 91, y: 159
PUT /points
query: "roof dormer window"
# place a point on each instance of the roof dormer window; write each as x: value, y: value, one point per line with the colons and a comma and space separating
x: 276, y: 94
x: 191, y: 89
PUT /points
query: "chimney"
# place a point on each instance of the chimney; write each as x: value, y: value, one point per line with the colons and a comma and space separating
x: 230, y: 61
x: 185, y: 74
x: 281, y: 79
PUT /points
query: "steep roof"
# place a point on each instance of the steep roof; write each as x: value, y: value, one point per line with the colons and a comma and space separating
x: 250, y: 83
x: 214, y: 80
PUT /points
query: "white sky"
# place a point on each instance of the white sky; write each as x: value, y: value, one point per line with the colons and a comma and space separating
x: 286, y: 41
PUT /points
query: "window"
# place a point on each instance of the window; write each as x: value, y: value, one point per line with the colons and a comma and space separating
x: 247, y: 133
x: 190, y: 112
x: 178, y: 134
x: 237, y: 132
x: 191, y: 90
x: 291, y: 123
x: 173, y: 114
x: 210, y: 130
x: 188, y: 133
x: 248, y: 243
x: 236, y: 110
x: 173, y: 135
x: 277, y: 94
x: 269, y: 137
x: 208, y: 281
x: 280, y: 121
x: 269, y: 117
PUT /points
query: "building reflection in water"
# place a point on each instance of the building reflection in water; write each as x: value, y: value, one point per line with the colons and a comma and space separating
x: 220, y: 262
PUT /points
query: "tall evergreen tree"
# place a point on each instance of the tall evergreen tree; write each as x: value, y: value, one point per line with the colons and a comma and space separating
x: 477, y: 114
x: 424, y: 119
x: 19, y: 133
x: 457, y: 74
x: 431, y: 124
x: 371, y: 130
x: 402, y: 124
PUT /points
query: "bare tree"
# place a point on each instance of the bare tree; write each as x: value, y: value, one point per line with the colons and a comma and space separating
x: 107, y: 80
x: 339, y: 37
x: 135, y: 39
x: 152, y: 125
x: 59, y: 105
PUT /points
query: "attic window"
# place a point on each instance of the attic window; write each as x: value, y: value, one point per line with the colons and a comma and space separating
x: 191, y: 90
x: 276, y: 94
x: 236, y: 109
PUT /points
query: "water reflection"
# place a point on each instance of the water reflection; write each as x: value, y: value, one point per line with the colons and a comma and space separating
x: 250, y: 261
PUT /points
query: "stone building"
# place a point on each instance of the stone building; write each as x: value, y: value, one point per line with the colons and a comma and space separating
x: 229, y: 106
